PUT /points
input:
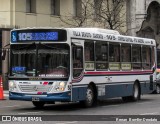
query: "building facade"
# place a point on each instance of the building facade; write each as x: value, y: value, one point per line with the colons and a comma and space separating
x: 143, y: 19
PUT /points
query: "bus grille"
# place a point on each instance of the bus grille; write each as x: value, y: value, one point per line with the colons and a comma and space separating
x: 35, y: 88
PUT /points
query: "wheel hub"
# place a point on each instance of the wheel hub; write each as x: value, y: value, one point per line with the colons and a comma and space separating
x: 89, y: 96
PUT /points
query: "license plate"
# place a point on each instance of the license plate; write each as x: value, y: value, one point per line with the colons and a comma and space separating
x: 35, y: 98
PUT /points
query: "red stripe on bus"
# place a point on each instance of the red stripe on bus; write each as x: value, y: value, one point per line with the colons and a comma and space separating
x: 119, y: 72
x: 110, y: 73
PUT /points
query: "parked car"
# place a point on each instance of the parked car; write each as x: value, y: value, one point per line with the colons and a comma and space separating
x: 158, y: 83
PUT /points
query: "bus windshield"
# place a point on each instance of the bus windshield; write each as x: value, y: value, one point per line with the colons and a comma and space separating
x: 42, y: 60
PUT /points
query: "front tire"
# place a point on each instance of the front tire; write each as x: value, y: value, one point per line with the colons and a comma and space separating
x: 90, y: 97
x: 38, y: 104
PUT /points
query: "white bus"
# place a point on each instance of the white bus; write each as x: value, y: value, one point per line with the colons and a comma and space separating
x: 79, y: 65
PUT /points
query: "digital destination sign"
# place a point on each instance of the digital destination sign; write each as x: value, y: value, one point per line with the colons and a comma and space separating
x: 38, y: 35
x: 18, y: 69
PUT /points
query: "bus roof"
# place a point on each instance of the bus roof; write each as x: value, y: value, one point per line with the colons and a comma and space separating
x: 100, y: 30
x: 108, y: 35
x: 100, y: 34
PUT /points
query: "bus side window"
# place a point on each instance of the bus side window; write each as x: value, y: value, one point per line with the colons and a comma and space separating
x: 114, y: 57
x: 136, y: 57
x: 101, y: 49
x: 77, y: 53
x: 146, y: 57
x: 126, y: 57
x: 89, y: 55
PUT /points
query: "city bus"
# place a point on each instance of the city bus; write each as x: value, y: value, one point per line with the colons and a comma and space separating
x: 84, y: 65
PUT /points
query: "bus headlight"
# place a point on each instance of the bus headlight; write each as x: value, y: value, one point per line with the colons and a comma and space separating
x: 60, y: 86
x: 12, y: 85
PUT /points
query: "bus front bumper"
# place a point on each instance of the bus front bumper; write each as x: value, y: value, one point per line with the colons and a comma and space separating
x: 63, y: 97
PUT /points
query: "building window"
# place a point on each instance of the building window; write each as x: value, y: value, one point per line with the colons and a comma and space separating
x: 77, y: 8
x: 31, y: 6
x: 55, y: 7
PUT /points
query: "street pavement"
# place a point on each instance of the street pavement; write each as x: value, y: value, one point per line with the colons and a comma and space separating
x: 148, y: 105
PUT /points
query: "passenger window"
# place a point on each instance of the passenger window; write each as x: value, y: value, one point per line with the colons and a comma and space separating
x: 126, y: 57
x: 114, y: 56
x: 146, y: 57
x: 77, y: 53
x: 89, y: 55
x: 101, y: 49
x: 136, y: 57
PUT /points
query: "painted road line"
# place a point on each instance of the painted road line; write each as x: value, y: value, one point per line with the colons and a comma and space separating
x: 70, y: 122
x: 143, y: 102
x: 11, y: 106
x: 30, y: 113
x: 153, y: 113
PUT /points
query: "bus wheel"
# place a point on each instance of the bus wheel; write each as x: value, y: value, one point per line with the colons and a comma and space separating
x: 38, y: 104
x: 136, y: 92
x: 90, y: 97
x: 158, y: 89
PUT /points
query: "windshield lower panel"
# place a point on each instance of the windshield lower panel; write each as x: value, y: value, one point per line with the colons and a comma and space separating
x: 42, y: 60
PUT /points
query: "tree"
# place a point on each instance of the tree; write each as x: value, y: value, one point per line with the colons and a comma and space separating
x: 109, y: 14
x: 82, y: 12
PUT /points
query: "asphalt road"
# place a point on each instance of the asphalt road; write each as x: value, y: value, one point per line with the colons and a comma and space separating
x: 146, y: 110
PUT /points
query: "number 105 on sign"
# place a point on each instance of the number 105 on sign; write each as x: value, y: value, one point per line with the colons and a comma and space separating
x: 25, y: 36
